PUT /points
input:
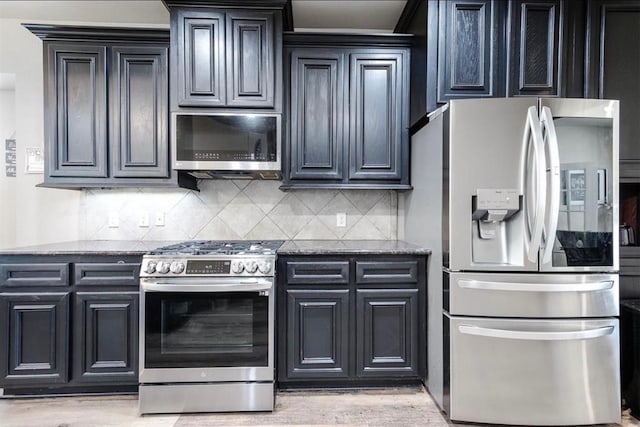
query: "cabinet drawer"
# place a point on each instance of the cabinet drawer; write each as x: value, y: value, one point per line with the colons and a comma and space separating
x: 52, y: 274
x: 114, y: 274
x: 387, y: 272
x: 314, y: 272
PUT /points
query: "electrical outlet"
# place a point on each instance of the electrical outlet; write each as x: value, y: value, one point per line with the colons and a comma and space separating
x: 143, y: 219
x: 114, y: 220
x: 159, y: 221
x: 341, y: 219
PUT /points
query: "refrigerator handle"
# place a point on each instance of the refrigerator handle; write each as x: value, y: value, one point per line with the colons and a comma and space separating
x: 535, y: 287
x: 551, y: 139
x: 533, y: 130
x: 536, y: 336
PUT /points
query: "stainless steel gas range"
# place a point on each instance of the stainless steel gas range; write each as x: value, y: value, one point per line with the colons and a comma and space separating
x: 207, y: 327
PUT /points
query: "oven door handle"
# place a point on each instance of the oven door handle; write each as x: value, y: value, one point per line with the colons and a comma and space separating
x: 206, y: 285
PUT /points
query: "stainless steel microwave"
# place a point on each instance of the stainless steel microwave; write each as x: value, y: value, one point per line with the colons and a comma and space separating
x: 211, y: 144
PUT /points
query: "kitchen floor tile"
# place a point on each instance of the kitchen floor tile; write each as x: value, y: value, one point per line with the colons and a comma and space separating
x: 378, y: 407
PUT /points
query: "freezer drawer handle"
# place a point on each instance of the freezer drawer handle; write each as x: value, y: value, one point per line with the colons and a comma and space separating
x: 536, y: 336
x: 535, y: 287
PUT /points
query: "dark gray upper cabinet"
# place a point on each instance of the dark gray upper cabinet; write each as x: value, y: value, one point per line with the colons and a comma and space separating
x: 347, y: 111
x: 76, y: 109
x: 317, y: 116
x: 250, y: 59
x: 612, y: 67
x: 468, y: 62
x: 377, y: 110
x: 106, y: 107
x: 140, y: 100
x: 200, y: 67
x: 493, y: 48
x: 226, y: 57
x: 538, y: 34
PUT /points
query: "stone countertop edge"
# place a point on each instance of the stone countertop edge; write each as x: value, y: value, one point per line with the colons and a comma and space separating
x: 338, y: 247
x: 89, y: 247
x: 289, y: 247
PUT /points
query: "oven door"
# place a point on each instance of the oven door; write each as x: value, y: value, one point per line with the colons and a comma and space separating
x: 206, y: 330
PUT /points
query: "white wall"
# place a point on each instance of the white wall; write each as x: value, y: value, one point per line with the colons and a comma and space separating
x: 41, y: 215
x: 7, y: 184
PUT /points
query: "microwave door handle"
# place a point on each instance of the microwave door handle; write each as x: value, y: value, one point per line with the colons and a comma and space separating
x: 551, y: 138
x: 533, y: 131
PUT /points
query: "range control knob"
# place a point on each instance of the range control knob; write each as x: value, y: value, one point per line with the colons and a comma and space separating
x: 237, y: 267
x: 264, y: 267
x: 251, y: 266
x: 177, y: 267
x: 163, y: 267
x: 150, y: 267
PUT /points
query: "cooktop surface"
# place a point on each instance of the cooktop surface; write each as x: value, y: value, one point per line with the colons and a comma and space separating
x: 220, y: 247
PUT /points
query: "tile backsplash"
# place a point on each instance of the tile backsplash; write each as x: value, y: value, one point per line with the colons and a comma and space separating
x: 240, y: 209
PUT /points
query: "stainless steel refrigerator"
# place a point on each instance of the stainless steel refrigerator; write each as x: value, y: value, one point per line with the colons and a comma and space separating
x: 518, y: 199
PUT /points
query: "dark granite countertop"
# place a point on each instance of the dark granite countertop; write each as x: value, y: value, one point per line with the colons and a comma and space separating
x: 88, y: 247
x: 329, y: 247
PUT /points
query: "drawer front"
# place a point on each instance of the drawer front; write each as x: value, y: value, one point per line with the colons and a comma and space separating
x: 532, y: 295
x: 315, y: 272
x: 114, y: 274
x: 50, y: 274
x: 534, y: 372
x: 387, y: 272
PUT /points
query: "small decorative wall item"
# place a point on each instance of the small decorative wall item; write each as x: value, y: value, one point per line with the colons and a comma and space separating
x: 10, y: 157
x: 577, y: 187
x: 34, y: 160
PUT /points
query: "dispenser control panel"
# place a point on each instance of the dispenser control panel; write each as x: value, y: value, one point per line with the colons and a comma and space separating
x: 502, y: 199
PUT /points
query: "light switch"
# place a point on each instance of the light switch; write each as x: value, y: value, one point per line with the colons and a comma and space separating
x: 143, y: 219
x: 341, y: 219
x: 159, y: 221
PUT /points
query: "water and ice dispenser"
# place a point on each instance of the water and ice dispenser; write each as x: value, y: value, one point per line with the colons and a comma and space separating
x: 492, y: 210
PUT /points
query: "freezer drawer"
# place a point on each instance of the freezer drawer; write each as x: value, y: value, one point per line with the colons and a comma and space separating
x: 531, y: 295
x: 534, y: 372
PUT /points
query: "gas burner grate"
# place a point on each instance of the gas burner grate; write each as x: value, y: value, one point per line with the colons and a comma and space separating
x: 214, y: 247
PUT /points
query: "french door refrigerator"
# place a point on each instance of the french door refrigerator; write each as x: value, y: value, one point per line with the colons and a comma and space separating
x: 528, y: 208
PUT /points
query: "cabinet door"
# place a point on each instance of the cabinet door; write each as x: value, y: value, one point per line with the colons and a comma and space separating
x: 34, y: 339
x: 200, y: 44
x: 317, y: 114
x: 139, y: 112
x: 538, y: 46
x: 468, y: 47
x: 387, y: 332
x: 76, y: 110
x: 613, y: 67
x: 250, y: 59
x: 317, y: 333
x: 376, y: 115
x: 106, y: 337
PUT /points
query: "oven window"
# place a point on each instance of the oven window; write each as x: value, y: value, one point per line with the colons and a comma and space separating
x: 206, y: 329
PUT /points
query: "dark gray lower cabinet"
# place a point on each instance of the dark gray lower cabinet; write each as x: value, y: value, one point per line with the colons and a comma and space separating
x: 318, y: 333
x: 387, y: 332
x: 352, y: 320
x: 106, y: 337
x: 34, y: 338
x: 68, y: 323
